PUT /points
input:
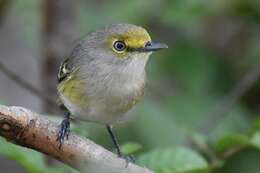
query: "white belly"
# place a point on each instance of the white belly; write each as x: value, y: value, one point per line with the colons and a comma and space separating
x: 108, y: 106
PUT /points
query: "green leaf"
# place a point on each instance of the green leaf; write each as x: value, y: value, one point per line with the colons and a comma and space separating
x: 255, y: 140
x: 231, y: 140
x: 131, y: 147
x: 174, y: 160
x: 236, y: 121
x: 256, y: 125
x: 32, y: 161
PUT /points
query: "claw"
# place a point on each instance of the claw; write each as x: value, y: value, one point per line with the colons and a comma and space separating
x: 128, y: 159
x: 63, y: 132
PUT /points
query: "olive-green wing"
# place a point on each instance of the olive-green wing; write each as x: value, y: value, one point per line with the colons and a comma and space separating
x: 71, y: 85
x: 64, y: 71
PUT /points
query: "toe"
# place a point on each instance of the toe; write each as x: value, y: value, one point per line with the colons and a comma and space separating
x: 63, y: 132
x: 128, y: 159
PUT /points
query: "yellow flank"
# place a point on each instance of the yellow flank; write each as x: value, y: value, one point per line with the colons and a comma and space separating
x: 73, y: 89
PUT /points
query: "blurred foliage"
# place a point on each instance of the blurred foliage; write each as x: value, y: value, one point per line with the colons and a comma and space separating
x: 131, y: 147
x: 212, y: 44
x: 32, y: 161
x: 173, y: 160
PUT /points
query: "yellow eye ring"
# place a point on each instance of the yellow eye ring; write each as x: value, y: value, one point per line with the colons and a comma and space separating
x: 119, y: 46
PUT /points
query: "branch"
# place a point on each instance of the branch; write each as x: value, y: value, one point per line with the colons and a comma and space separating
x: 227, y: 103
x: 28, y: 129
x: 27, y: 86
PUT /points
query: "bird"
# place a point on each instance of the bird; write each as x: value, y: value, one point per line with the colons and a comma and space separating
x: 104, y: 77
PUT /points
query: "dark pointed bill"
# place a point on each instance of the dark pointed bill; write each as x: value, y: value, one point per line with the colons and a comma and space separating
x: 152, y: 46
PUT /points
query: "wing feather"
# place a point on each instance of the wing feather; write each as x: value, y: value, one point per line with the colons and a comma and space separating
x: 64, y: 70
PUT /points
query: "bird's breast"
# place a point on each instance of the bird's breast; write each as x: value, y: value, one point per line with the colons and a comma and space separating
x: 125, y: 95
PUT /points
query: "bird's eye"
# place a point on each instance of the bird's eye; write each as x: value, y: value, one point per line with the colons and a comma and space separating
x: 119, y: 46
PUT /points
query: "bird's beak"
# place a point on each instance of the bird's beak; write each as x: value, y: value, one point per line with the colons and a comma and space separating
x: 153, y: 46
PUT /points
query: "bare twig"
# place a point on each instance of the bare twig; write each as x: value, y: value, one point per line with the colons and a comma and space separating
x: 28, y: 129
x: 232, y: 98
x: 233, y: 151
x: 27, y: 86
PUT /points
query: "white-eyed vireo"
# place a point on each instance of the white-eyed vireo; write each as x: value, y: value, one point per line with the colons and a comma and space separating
x: 104, y: 77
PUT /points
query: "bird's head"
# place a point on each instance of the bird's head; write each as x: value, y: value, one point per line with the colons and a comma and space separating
x: 121, y: 43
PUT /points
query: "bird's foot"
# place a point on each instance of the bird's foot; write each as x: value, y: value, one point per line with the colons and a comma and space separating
x: 127, y: 158
x: 63, y: 131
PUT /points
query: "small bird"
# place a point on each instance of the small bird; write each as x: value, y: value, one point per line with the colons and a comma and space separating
x: 104, y: 77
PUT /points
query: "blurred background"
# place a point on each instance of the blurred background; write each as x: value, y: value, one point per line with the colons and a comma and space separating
x: 202, y: 105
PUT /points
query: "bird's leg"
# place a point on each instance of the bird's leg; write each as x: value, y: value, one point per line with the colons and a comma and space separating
x: 114, y: 140
x: 116, y: 144
x: 64, y: 129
